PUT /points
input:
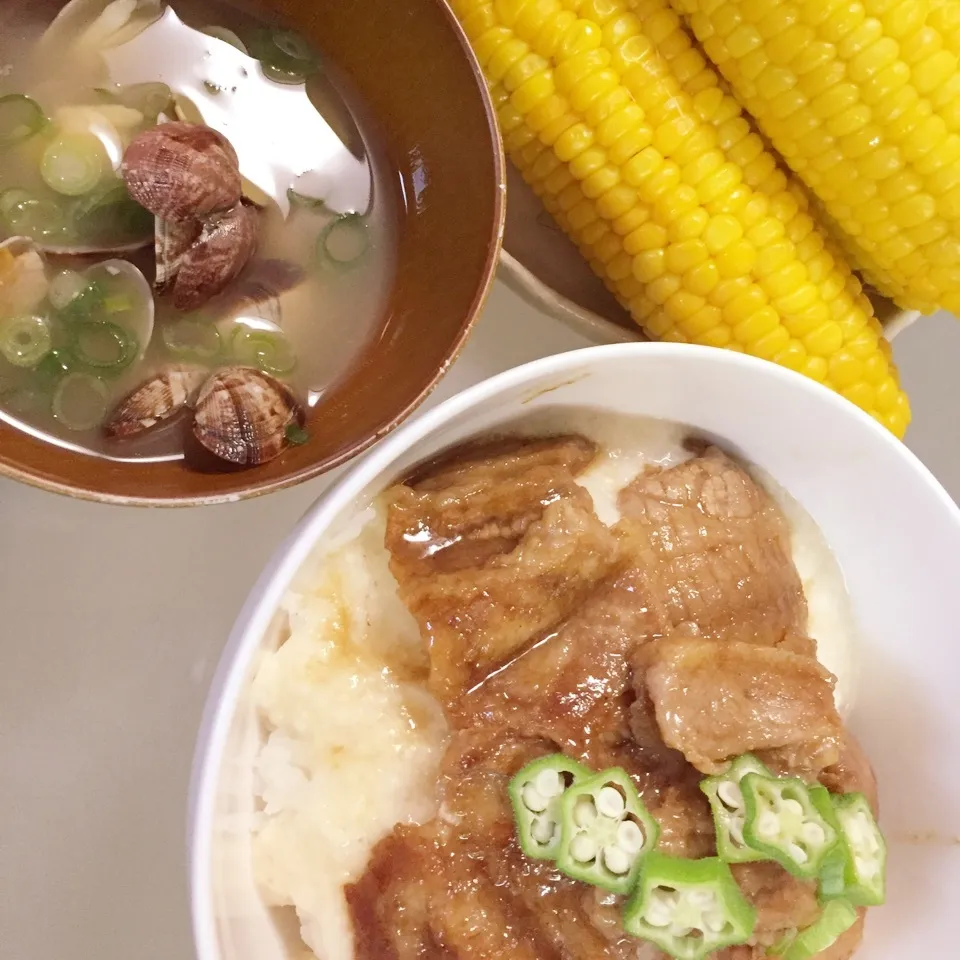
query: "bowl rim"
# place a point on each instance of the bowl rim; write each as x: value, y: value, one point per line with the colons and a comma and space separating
x: 259, y: 608
x: 488, y: 274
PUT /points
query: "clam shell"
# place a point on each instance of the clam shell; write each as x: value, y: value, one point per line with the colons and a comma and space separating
x: 222, y: 250
x: 96, y: 250
x: 23, y: 281
x: 157, y: 400
x: 242, y: 415
x: 138, y: 321
x: 85, y: 25
x: 258, y: 294
x: 172, y: 239
x: 182, y: 171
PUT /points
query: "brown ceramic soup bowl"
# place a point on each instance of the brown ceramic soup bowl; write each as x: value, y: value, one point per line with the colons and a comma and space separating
x: 422, y: 88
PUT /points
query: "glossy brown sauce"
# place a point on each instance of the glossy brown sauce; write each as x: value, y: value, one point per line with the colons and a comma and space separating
x: 549, y: 631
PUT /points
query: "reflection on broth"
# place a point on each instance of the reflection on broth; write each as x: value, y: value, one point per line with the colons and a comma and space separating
x: 191, y: 189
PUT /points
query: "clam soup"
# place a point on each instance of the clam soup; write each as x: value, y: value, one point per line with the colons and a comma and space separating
x: 197, y: 230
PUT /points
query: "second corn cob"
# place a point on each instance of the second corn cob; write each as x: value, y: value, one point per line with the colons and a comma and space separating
x: 698, y: 247
x: 863, y: 101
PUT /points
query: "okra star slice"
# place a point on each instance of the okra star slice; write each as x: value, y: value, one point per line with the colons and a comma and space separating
x: 535, y: 793
x: 856, y: 868
x: 783, y: 822
x: 726, y: 804
x: 605, y: 831
x: 688, y: 908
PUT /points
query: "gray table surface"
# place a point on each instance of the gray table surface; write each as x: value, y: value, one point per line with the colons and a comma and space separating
x: 111, y: 622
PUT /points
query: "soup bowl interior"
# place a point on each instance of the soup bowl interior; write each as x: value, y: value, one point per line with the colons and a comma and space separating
x: 894, y: 530
x: 412, y: 69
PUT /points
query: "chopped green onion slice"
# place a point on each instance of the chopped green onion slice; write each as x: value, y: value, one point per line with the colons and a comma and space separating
x: 227, y: 36
x: 151, y: 98
x: 11, y: 199
x: 118, y: 303
x: 192, y: 339
x: 781, y: 946
x: 109, y: 212
x: 74, y: 164
x: 298, y: 199
x: 284, y: 55
x: 24, y: 214
x: 25, y: 341
x: 280, y: 75
x: 838, y: 916
x: 343, y: 242
x: 20, y: 119
x: 84, y: 305
x: 296, y: 435
x: 292, y: 45
x: 271, y: 352
x: 64, y: 286
x: 80, y: 401
x: 105, y: 347
x: 55, y: 366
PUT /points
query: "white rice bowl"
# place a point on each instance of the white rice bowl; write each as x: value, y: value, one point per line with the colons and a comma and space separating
x: 310, y: 753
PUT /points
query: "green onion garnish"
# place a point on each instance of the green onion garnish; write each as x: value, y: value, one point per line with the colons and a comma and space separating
x: 24, y: 214
x: 271, y: 352
x: 20, y: 119
x: 86, y: 304
x: 80, y: 401
x: 296, y: 435
x: 118, y: 303
x: 192, y: 339
x: 151, y: 98
x: 109, y: 212
x: 25, y: 341
x: 343, y: 242
x: 298, y: 199
x: 55, y: 366
x: 105, y: 347
x: 284, y: 55
x: 74, y: 164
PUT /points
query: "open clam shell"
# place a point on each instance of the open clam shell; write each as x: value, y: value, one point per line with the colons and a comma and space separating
x: 23, y: 281
x: 84, y: 25
x: 94, y: 250
x: 138, y: 320
x: 222, y: 250
x: 242, y: 415
x: 182, y: 171
x: 158, y: 400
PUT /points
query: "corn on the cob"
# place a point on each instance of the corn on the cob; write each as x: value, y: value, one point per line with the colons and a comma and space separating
x: 862, y: 99
x: 633, y: 145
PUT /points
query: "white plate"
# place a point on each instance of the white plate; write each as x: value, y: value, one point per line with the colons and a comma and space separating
x: 893, y: 528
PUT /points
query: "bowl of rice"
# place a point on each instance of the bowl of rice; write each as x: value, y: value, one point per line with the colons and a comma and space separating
x: 319, y: 734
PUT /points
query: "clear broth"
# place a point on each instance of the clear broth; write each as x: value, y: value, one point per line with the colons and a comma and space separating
x: 314, y: 138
